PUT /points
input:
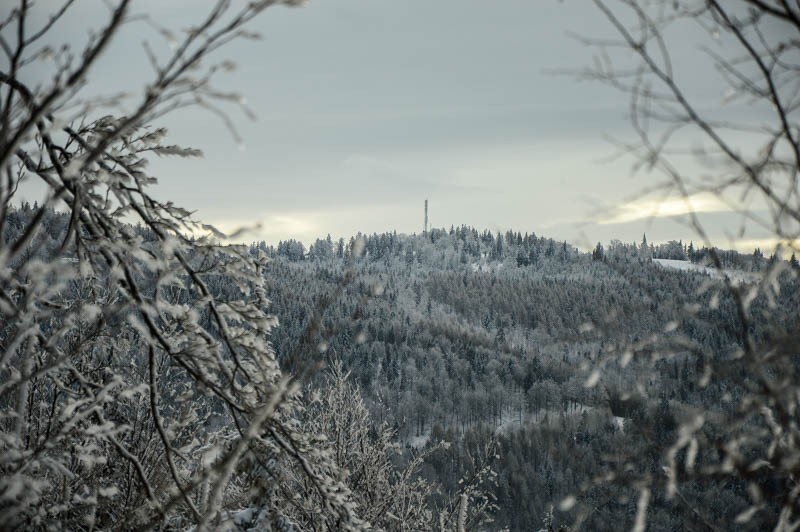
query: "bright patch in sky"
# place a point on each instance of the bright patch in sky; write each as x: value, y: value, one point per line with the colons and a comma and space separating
x: 271, y: 228
x: 766, y: 245
x: 645, y: 208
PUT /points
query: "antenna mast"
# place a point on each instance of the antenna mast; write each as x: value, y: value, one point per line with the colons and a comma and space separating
x: 425, y: 227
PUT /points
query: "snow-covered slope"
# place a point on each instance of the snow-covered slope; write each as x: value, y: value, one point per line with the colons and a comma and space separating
x: 737, y: 276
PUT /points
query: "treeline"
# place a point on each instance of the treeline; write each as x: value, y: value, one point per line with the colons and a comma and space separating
x: 463, y: 244
x: 679, y: 250
x: 467, y: 245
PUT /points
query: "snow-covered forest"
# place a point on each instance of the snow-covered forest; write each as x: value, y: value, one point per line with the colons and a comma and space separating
x: 472, y: 337
x: 159, y: 374
x: 421, y: 362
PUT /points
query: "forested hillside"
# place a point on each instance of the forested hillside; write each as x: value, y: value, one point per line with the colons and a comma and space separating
x: 470, y: 336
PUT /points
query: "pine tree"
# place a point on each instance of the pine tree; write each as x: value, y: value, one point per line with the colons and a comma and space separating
x: 598, y: 253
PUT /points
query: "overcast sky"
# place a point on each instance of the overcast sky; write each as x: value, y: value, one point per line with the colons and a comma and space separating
x: 365, y: 108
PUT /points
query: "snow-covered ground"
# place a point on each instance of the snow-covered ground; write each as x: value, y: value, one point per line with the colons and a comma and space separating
x: 683, y: 265
x: 737, y: 276
x: 418, y: 442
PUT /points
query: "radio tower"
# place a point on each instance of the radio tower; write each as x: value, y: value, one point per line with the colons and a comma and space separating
x: 425, y: 227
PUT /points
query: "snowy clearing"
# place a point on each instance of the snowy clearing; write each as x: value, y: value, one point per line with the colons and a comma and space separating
x: 737, y: 276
